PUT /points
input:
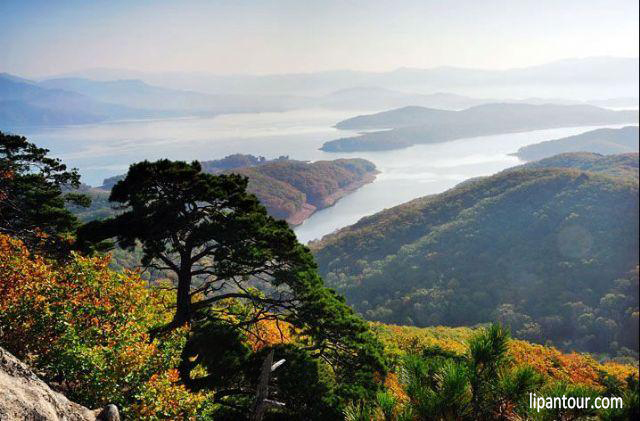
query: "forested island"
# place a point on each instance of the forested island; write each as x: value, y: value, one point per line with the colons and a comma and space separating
x: 289, y: 189
x: 414, y: 125
x: 603, y: 141
x: 549, y: 248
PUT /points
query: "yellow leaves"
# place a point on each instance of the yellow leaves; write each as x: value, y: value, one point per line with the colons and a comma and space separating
x: 619, y: 371
x: 92, y: 324
x: 270, y: 332
x: 163, y: 398
x: 392, y: 384
x: 401, y: 339
x: 553, y: 364
x: 550, y: 362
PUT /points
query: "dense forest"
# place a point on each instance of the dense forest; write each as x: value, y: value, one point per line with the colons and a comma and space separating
x: 553, y: 252
x: 602, y: 141
x: 293, y: 190
x: 414, y: 125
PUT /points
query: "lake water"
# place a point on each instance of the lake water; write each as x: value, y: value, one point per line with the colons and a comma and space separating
x: 103, y: 150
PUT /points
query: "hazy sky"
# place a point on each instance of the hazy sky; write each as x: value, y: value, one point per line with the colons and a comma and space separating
x: 48, y: 37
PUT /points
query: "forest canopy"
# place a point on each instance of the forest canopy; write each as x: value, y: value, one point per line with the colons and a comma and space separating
x: 551, y: 252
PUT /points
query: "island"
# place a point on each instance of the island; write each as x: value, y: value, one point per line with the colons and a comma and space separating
x: 601, y: 141
x: 290, y: 189
x: 408, y: 126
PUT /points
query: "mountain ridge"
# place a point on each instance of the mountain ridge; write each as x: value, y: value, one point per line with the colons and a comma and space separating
x: 523, y: 246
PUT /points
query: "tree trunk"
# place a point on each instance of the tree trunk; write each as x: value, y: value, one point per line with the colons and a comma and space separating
x: 183, y: 299
x: 260, y: 405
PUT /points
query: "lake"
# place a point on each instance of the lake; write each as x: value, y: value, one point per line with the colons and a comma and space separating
x: 103, y: 150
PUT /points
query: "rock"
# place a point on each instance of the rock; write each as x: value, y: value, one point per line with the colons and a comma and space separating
x: 109, y: 413
x: 23, y: 396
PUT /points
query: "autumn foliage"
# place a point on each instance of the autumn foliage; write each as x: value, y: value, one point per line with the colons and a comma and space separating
x: 84, y: 328
x: 553, y: 364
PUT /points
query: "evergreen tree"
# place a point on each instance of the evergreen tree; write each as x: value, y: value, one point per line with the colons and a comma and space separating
x: 32, y: 198
x: 234, y: 265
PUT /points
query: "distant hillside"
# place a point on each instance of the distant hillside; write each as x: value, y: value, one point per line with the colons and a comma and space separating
x: 401, y: 117
x: 552, y: 252
x: 237, y: 160
x: 293, y: 190
x: 602, y: 141
x: 24, y: 103
x: 623, y: 165
x: 289, y: 189
x: 414, y: 125
x: 370, y: 98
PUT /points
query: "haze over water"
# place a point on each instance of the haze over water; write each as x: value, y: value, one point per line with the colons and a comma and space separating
x: 103, y: 150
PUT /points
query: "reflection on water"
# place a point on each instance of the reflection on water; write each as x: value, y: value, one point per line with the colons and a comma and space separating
x: 103, y: 150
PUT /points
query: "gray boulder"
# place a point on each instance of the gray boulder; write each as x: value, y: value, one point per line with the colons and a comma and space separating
x: 23, y: 396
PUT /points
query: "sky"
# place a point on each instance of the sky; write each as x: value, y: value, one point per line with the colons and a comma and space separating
x: 41, y: 38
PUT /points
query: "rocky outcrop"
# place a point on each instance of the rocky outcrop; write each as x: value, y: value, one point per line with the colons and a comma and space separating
x: 23, y: 396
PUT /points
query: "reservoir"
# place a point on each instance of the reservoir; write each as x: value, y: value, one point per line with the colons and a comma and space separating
x: 103, y: 150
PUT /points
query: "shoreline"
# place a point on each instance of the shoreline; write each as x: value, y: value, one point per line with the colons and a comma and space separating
x: 308, y: 209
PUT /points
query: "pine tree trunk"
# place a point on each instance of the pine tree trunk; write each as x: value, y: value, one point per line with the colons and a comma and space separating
x: 183, y: 299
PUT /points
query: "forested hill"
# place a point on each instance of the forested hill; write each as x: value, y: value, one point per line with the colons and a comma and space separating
x: 552, y: 252
x: 622, y: 165
x: 293, y: 190
x: 289, y: 189
x: 603, y: 141
x: 229, y: 162
x: 415, y: 125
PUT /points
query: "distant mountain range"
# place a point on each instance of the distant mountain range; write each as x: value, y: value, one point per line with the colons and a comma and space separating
x: 138, y: 94
x: 101, y: 95
x: 414, y: 125
x: 601, y: 141
x: 605, y: 72
x: 79, y: 101
x: 549, y: 249
x: 25, y: 103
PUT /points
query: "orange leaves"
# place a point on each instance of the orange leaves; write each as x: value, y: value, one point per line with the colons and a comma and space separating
x: 270, y: 332
x: 163, y: 398
x: 574, y: 368
x: 90, y: 325
x: 548, y: 361
x: 392, y: 384
x: 619, y: 371
x: 554, y: 365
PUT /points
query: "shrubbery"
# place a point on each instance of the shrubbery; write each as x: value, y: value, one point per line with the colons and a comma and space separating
x: 85, y: 330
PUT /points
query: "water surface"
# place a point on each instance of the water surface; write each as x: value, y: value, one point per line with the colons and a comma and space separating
x: 103, y: 150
